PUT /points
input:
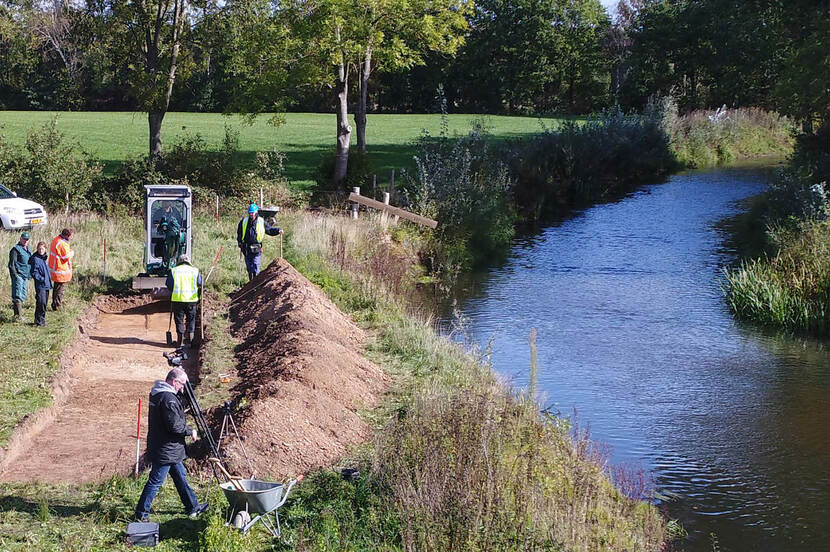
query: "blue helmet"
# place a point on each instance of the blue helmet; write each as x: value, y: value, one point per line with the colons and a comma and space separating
x: 253, y: 208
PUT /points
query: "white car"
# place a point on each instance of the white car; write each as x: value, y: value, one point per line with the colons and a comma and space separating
x: 16, y: 212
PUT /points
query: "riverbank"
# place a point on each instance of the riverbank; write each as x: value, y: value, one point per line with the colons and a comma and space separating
x: 538, y: 178
x: 788, y: 285
x: 441, y: 404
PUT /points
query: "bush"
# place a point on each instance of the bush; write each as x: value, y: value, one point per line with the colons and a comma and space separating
x: 461, y: 183
x: 123, y: 193
x: 208, y: 172
x: 50, y: 169
x: 582, y: 163
x: 358, y: 174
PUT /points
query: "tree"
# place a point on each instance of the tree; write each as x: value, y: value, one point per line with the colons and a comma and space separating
x: 152, y: 33
x: 525, y: 56
x: 363, y: 36
x: 17, y: 58
x: 399, y: 34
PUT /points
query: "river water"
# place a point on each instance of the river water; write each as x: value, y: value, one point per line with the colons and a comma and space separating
x: 634, y: 336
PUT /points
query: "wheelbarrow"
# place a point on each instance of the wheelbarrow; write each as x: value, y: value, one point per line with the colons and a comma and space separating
x: 261, y: 499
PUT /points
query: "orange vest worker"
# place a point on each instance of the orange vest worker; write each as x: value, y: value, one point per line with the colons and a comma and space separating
x: 60, y: 265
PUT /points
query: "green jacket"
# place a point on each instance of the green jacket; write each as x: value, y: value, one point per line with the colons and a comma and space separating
x: 19, y: 261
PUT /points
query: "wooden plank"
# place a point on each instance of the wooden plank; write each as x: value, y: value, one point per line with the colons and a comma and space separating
x: 368, y: 202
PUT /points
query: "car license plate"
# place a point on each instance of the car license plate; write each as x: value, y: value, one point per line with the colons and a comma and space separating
x: 37, y: 221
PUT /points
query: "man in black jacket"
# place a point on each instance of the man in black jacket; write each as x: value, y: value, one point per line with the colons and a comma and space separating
x: 166, y: 430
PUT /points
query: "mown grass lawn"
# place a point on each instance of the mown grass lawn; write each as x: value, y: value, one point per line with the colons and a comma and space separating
x: 113, y: 137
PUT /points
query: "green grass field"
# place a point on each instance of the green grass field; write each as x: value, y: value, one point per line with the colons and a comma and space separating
x: 304, y: 137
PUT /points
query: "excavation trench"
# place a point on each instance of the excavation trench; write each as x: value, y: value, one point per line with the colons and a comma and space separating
x: 302, y: 379
x: 89, y: 432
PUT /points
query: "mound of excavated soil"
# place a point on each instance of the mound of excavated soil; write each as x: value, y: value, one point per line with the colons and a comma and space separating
x: 302, y: 375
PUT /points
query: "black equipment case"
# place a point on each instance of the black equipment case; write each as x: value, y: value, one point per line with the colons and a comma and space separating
x: 143, y: 533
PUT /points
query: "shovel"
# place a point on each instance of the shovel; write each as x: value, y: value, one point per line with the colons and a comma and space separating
x: 233, y: 479
x: 169, y: 335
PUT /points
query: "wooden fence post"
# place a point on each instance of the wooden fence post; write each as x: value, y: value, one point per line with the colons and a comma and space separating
x: 355, y: 206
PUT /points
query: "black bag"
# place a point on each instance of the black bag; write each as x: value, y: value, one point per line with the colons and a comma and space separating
x: 255, y: 248
x: 143, y: 533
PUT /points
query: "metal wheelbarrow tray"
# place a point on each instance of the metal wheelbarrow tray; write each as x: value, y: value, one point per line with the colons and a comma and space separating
x: 257, y: 501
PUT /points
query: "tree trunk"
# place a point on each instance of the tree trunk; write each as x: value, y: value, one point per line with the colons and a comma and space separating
x: 360, y: 115
x: 156, y: 113
x: 344, y: 130
x: 154, y: 118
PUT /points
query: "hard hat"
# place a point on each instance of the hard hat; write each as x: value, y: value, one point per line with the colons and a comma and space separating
x: 184, y: 258
x: 253, y: 208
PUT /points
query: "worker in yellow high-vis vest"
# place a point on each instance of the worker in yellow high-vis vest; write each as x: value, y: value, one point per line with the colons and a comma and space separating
x: 185, y: 283
x: 249, y: 235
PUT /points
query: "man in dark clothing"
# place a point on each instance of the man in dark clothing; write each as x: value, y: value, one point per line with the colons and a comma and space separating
x: 166, y: 430
x: 185, y: 285
x: 20, y: 273
x: 39, y: 263
x: 249, y: 235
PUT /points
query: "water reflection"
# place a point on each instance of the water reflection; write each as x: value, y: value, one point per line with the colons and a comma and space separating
x: 633, y: 333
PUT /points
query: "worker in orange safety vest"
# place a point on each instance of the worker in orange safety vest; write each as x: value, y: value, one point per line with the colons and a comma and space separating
x: 60, y: 266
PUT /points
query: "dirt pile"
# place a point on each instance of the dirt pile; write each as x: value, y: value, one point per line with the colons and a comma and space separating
x: 302, y: 375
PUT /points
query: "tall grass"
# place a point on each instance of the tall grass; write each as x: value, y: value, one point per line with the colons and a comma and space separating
x: 459, y: 461
x: 707, y: 138
x: 790, y: 289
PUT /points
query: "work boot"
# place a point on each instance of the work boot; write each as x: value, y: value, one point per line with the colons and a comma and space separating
x: 199, y: 510
x: 17, y: 307
x: 188, y: 339
x: 178, y: 340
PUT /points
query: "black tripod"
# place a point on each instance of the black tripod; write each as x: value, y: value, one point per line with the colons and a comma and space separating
x: 192, y: 404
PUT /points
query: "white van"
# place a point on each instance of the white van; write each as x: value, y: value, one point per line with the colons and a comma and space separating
x: 16, y: 212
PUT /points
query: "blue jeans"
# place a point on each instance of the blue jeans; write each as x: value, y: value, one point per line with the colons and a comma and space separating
x: 252, y: 261
x: 157, y: 476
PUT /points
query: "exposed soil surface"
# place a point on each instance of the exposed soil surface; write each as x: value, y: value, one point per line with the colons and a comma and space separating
x: 302, y: 376
x: 90, y: 432
x: 302, y: 379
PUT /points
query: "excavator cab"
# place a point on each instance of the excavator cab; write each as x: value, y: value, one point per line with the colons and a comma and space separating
x: 168, y: 228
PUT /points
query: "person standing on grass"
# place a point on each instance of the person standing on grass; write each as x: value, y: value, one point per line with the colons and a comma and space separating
x: 39, y: 263
x: 249, y: 235
x: 184, y: 282
x: 20, y: 273
x: 60, y: 266
x: 166, y: 430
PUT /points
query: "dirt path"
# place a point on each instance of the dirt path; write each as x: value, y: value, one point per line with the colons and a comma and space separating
x: 91, y: 435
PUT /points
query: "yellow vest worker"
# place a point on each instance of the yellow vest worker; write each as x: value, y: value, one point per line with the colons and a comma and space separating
x: 249, y: 235
x: 185, y: 284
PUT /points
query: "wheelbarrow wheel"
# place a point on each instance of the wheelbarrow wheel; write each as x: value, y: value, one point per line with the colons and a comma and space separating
x: 241, y: 519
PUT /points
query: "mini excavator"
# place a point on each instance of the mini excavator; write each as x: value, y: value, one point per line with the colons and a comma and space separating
x: 168, y: 213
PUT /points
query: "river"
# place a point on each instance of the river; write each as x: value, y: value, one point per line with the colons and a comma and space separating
x: 634, y: 336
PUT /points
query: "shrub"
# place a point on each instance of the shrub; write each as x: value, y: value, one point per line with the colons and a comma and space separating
x: 581, y: 163
x: 358, y: 174
x: 461, y: 183
x: 50, y: 169
x: 124, y: 191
